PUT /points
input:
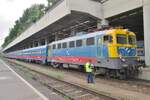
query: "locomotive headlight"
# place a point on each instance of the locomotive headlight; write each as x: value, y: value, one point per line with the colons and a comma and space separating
x: 138, y: 59
x: 122, y: 59
x: 120, y: 56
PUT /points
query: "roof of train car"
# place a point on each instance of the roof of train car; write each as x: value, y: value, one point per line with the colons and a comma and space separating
x: 14, y: 52
x: 83, y: 36
x: 80, y: 37
x: 34, y: 48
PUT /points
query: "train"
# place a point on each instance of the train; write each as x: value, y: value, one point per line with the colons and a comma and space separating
x: 113, y: 53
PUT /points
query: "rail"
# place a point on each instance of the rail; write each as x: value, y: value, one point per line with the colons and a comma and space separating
x: 66, y: 89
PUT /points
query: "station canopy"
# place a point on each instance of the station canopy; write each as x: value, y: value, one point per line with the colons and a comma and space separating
x: 77, y: 21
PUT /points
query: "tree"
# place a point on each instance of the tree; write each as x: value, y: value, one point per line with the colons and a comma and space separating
x: 30, y: 15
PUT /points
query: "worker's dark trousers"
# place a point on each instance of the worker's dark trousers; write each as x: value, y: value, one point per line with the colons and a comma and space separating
x: 90, y: 77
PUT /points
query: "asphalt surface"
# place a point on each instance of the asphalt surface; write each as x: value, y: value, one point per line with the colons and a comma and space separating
x: 14, y: 87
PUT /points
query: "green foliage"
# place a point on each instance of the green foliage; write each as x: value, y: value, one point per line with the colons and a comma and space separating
x: 30, y: 15
x: 67, y: 98
x: 56, y: 75
x: 129, y: 98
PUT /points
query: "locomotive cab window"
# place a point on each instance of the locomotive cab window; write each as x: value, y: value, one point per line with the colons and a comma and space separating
x: 90, y: 41
x: 108, y: 39
x: 121, y: 39
x: 71, y: 44
x: 132, y: 40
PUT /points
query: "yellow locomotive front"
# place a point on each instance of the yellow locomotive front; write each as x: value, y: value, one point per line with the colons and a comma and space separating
x: 123, y: 45
x: 122, y: 51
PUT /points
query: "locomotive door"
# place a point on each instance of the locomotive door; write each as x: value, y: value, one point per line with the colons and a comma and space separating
x: 99, y: 47
x: 105, y: 46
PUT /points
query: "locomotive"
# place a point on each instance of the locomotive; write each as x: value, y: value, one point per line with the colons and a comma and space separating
x: 113, y: 53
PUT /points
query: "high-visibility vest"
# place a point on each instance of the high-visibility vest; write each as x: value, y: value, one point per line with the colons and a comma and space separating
x: 88, y: 67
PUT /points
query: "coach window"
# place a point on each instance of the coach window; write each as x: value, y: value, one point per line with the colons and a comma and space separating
x: 90, y: 41
x: 54, y: 46
x: 59, y: 46
x: 64, y: 45
x: 78, y: 43
x: 71, y: 44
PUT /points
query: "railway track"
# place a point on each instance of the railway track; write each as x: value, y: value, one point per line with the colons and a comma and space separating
x: 130, y: 81
x: 137, y: 85
x: 69, y: 90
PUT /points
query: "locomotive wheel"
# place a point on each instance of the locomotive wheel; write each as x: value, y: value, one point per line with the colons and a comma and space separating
x: 55, y: 65
x: 122, y: 76
x: 81, y: 69
x: 137, y: 70
x: 107, y: 75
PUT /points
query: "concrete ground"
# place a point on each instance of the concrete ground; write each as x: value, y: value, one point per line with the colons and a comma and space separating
x: 103, y: 88
x: 145, y: 74
x: 13, y: 87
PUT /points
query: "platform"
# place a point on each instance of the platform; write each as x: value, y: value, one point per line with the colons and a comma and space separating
x: 13, y: 87
x: 145, y: 75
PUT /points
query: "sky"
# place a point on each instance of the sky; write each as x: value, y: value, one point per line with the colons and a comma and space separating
x: 10, y: 11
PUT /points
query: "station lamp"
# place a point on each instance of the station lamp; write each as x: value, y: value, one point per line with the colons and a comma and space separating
x: 101, y: 1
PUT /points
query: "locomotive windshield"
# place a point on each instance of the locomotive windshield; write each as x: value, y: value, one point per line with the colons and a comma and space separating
x: 121, y: 39
x: 132, y: 40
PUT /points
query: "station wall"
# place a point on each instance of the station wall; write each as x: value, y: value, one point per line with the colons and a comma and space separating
x: 146, y: 13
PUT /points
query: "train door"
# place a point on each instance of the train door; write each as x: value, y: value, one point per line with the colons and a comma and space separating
x: 99, y: 46
x: 106, y: 40
x: 49, y: 53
